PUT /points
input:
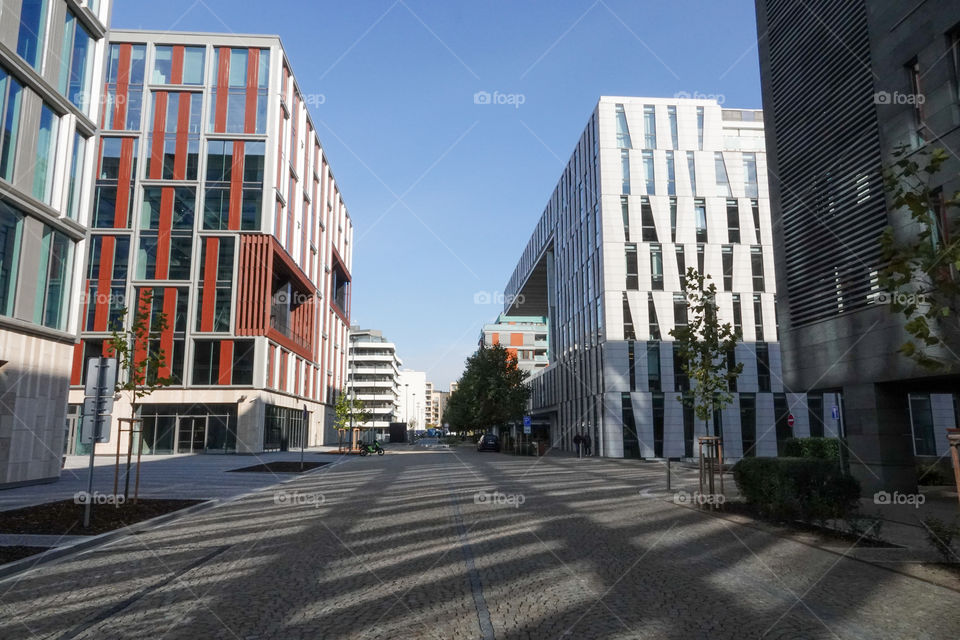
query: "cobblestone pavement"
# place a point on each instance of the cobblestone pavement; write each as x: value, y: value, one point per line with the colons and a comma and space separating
x: 468, y: 545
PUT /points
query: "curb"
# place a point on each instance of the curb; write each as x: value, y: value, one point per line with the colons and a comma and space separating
x: 25, y: 565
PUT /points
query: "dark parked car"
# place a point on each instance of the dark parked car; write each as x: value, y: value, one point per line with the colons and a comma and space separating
x: 489, y: 442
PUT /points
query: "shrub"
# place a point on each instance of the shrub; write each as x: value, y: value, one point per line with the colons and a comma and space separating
x: 934, y: 474
x: 826, y: 448
x: 940, y: 536
x: 811, y: 489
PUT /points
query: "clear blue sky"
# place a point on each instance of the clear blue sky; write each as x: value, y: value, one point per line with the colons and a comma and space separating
x: 444, y: 192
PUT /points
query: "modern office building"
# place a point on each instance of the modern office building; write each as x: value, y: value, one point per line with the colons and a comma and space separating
x: 654, y: 186
x: 51, y: 72
x: 524, y: 338
x: 844, y: 85
x: 412, y: 404
x: 214, y: 195
x: 374, y: 378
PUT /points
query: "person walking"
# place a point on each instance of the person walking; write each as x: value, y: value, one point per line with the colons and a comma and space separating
x: 587, y: 444
x: 578, y: 443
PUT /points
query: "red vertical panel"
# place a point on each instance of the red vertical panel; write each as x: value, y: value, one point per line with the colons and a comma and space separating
x: 140, y: 350
x: 279, y: 221
x: 226, y: 362
x: 208, y: 303
x: 159, y: 123
x: 296, y: 375
x: 163, y: 236
x: 236, y: 186
x: 166, y: 340
x: 124, y: 177
x: 223, y: 82
x: 183, y: 133
x: 250, y: 112
x: 76, y: 374
x: 102, y: 301
x: 176, y: 71
x: 284, y: 358
x: 266, y: 283
x: 123, y: 87
x: 243, y: 286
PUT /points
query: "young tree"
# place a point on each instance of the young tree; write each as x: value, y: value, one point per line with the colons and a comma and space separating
x: 140, y: 358
x: 704, y: 346
x: 349, y: 411
x: 921, y: 266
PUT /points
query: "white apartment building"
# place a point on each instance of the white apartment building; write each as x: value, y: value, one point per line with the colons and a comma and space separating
x: 413, y: 399
x: 653, y: 187
x: 374, y: 376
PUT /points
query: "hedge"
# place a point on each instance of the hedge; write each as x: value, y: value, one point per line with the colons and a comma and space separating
x: 826, y: 448
x: 811, y: 489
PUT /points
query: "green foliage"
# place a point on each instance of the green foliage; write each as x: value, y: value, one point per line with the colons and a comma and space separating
x: 940, y: 535
x: 921, y: 271
x: 810, y: 489
x: 140, y: 358
x: 350, y: 412
x: 934, y: 474
x: 703, y: 346
x: 826, y: 448
x: 490, y: 392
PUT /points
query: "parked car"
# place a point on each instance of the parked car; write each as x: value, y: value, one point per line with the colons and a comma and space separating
x: 489, y: 442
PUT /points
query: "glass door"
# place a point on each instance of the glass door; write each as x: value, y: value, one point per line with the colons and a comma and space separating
x: 191, y: 434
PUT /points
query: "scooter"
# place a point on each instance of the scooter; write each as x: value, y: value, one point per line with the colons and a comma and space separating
x: 366, y: 449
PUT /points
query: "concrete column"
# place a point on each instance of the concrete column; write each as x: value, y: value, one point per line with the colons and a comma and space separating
x: 877, y: 423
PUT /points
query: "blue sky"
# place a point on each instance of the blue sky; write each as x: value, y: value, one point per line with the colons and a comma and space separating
x: 444, y: 192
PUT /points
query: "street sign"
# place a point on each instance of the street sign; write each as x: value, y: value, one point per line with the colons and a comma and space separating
x: 91, y: 406
x: 88, y: 428
x: 526, y: 429
x: 93, y: 376
x: 790, y: 420
x: 527, y: 421
x: 835, y: 412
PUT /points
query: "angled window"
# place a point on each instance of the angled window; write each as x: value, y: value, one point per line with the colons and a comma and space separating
x: 751, y: 184
x: 681, y: 263
x: 653, y: 366
x: 649, y: 174
x: 756, y: 265
x: 755, y: 210
x: 737, y: 316
x: 32, y: 33
x: 674, y: 137
x: 763, y: 367
x: 656, y: 267
x: 671, y: 175
x: 700, y: 219
x: 649, y: 226
x: 649, y: 127
x: 76, y: 70
x: 673, y: 219
x: 733, y: 221
x: 11, y: 234
x: 53, y: 280
x: 692, y: 170
x: 680, y: 319
x: 633, y: 272
x: 75, y: 180
x: 625, y: 171
x: 11, y: 96
x: 758, y: 318
x: 628, y: 331
x: 727, y: 255
x: 43, y: 169
x: 623, y: 131
x: 700, y: 128
x: 723, y: 184
x: 625, y: 213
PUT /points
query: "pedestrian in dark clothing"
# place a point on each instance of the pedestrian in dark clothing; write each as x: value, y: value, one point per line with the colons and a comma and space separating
x: 587, y: 444
x: 578, y: 443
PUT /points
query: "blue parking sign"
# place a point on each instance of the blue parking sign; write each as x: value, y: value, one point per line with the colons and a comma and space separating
x: 526, y: 421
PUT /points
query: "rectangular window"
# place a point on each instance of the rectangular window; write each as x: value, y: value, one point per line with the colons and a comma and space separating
x: 692, y: 170
x: 673, y: 219
x: 230, y: 112
x: 681, y: 381
x: 179, y: 125
x: 625, y: 214
x: 921, y: 422
x: 733, y: 221
x: 723, y: 184
x: 748, y: 424
x: 11, y: 232
x: 11, y: 95
x: 756, y: 265
x: 700, y: 257
x: 629, y: 333
x: 183, y: 205
x: 815, y: 413
x: 623, y: 131
x: 653, y: 366
x: 625, y: 171
x: 43, y: 170
x: 190, y: 69
x: 633, y: 271
x: 671, y: 175
x: 755, y: 210
x: 700, y: 219
x: 32, y: 34
x: 216, y: 304
x: 243, y: 358
x: 737, y: 317
x: 53, y: 280
x: 177, y: 253
x: 110, y: 192
x: 76, y: 72
x: 115, y: 293
x: 206, y: 362
x: 658, y: 416
x: 632, y: 365
x: 649, y: 127
x: 763, y: 367
x: 654, y: 323
x: 672, y: 116
x: 750, y: 175
x: 920, y: 133
x: 121, y: 110
x: 649, y: 229
x: 726, y: 253
x: 162, y: 65
x: 649, y: 174
x: 656, y: 267
x: 681, y: 263
x: 680, y: 320
x: 700, y: 128
x: 758, y: 318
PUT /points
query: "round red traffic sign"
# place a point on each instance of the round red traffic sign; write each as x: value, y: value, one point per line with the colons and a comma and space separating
x: 790, y: 420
